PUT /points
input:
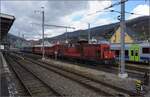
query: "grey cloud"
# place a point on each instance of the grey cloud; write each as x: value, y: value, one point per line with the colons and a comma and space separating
x: 24, y: 13
x: 57, y: 9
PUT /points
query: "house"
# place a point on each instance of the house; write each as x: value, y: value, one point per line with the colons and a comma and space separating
x: 130, y: 36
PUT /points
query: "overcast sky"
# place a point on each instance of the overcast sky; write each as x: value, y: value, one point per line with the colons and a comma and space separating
x: 73, y: 13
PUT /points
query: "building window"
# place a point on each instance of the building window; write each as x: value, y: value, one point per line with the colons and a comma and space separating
x: 115, y: 38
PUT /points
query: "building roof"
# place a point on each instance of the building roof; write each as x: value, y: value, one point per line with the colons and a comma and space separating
x: 129, y: 31
x: 132, y: 33
x: 6, y: 22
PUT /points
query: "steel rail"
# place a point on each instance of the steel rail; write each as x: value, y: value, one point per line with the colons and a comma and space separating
x: 94, y: 80
x: 43, y: 82
x: 71, y: 78
x: 14, y: 70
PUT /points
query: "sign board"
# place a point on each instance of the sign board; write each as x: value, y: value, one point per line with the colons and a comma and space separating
x: 2, y: 47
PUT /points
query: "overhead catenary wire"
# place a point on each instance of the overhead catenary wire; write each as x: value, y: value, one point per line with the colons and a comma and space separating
x: 57, y: 26
x: 37, y: 37
x: 115, y: 12
x: 113, y: 5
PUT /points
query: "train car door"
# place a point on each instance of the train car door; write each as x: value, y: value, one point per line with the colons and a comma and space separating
x: 134, y: 53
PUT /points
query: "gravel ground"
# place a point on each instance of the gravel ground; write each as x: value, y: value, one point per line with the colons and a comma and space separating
x: 65, y: 86
x: 109, y: 78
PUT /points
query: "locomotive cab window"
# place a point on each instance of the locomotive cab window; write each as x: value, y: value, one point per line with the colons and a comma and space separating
x: 146, y: 50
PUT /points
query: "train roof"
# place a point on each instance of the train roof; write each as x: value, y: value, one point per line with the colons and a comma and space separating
x: 116, y: 46
x: 147, y: 44
x: 44, y: 45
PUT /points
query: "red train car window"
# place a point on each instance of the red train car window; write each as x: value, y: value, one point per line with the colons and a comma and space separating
x: 146, y: 50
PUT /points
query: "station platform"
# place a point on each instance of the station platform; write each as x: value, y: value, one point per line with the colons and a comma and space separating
x: 3, y: 81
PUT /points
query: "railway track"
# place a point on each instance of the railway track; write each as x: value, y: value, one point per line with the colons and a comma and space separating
x: 74, y: 78
x: 78, y: 80
x: 17, y: 86
x: 82, y: 79
x: 134, y: 71
x: 130, y: 66
x: 138, y: 67
x: 31, y: 83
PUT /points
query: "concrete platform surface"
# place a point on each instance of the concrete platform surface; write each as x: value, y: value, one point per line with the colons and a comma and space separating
x: 3, y: 81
